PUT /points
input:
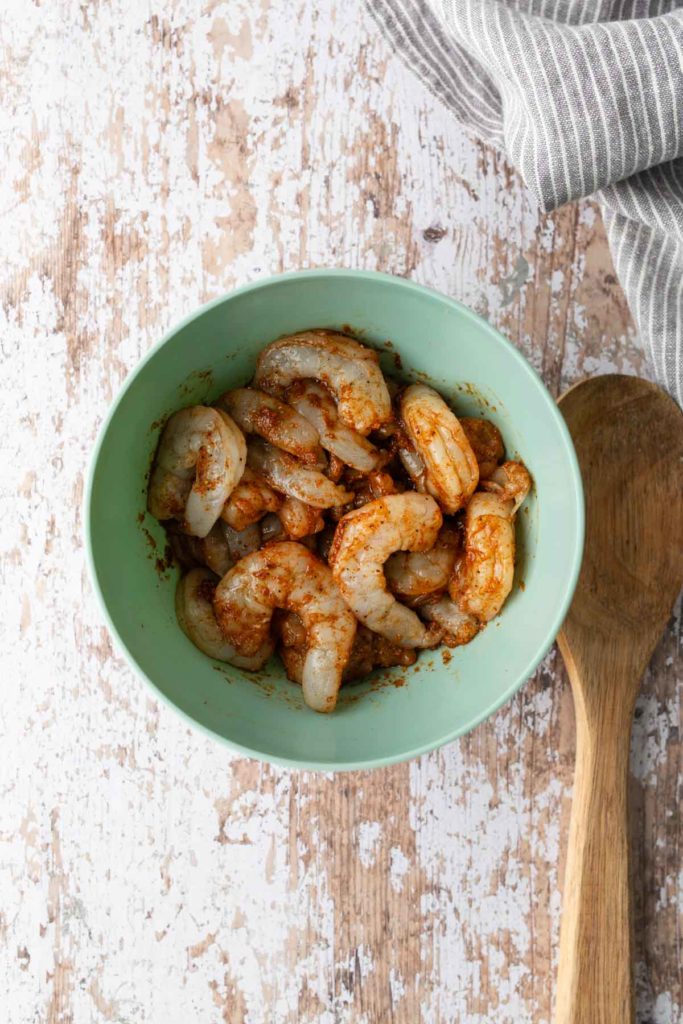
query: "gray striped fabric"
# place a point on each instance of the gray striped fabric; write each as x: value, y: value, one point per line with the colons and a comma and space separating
x: 585, y: 96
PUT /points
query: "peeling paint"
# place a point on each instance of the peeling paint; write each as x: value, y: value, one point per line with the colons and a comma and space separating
x: 369, y: 833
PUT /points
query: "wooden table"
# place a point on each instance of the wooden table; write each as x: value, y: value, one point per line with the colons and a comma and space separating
x: 155, y: 157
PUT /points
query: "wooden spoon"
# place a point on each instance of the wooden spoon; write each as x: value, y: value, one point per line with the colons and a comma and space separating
x: 629, y: 440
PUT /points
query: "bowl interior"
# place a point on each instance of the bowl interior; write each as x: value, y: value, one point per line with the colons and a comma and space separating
x: 400, y: 712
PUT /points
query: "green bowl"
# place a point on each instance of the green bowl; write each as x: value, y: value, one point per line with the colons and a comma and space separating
x: 397, y: 713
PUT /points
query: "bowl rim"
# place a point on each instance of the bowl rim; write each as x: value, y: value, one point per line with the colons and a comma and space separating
x: 576, y: 555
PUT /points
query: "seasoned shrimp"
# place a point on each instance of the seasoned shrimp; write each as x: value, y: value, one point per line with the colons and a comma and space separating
x: 271, y: 528
x: 186, y: 549
x: 287, y: 575
x: 167, y: 495
x: 283, y: 426
x: 451, y: 472
x: 287, y: 474
x: 288, y: 628
x: 242, y: 542
x: 483, y: 579
x: 368, y: 487
x: 335, y: 469
x: 458, y: 627
x: 294, y: 660
x: 414, y: 574
x: 413, y: 464
x: 486, y: 441
x: 386, y: 653
x: 369, y: 650
x: 364, y: 540
x: 324, y: 541
x: 202, y: 448
x: 300, y: 520
x: 348, y: 369
x: 215, y: 550
x: 211, y: 551
x: 249, y: 501
x: 511, y: 481
x: 196, y: 617
x: 313, y: 401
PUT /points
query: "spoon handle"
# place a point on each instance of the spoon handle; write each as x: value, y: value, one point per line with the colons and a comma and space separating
x: 594, y: 983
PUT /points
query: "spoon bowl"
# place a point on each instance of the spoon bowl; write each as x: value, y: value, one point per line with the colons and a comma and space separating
x: 628, y: 436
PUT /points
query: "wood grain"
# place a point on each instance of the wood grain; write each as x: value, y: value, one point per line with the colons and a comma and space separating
x: 629, y: 441
x: 155, y: 156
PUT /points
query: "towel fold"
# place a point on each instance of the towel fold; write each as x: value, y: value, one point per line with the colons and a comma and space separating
x: 586, y: 98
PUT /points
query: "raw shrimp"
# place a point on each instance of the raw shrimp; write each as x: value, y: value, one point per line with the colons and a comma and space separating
x: 186, y: 549
x: 202, y: 448
x: 249, y: 501
x: 271, y: 528
x: 215, y: 550
x: 458, y: 627
x: 288, y: 628
x: 486, y: 441
x: 259, y: 413
x: 363, y: 541
x: 300, y: 520
x: 362, y: 657
x: 450, y: 467
x: 483, y: 579
x: 388, y: 430
x: 167, y: 495
x: 335, y: 468
x: 292, y: 477
x: 510, y: 481
x: 414, y: 574
x: 310, y: 542
x: 287, y: 575
x: 325, y: 540
x: 242, y: 542
x: 313, y: 401
x: 194, y: 609
x: 294, y: 660
x: 348, y: 369
x: 386, y: 653
x: 211, y: 551
x: 368, y: 487
x: 365, y: 487
x: 412, y: 463
x: 369, y: 650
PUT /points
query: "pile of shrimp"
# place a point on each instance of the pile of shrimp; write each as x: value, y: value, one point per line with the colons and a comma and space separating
x: 335, y: 516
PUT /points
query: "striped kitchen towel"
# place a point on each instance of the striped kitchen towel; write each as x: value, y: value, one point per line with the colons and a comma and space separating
x: 585, y: 96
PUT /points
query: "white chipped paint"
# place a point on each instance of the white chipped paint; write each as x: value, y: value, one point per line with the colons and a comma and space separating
x: 396, y: 986
x: 398, y: 869
x: 368, y: 837
x: 651, y: 730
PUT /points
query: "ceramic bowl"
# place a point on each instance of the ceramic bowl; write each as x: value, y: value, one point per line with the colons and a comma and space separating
x: 397, y: 713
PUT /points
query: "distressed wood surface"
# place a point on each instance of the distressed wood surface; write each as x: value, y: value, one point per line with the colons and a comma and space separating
x: 154, y: 156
